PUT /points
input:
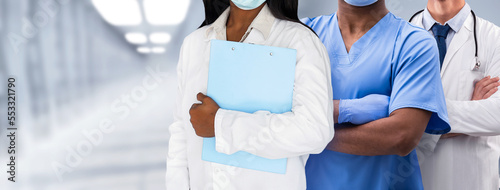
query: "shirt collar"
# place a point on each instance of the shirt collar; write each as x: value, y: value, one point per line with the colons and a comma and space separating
x: 455, y: 23
x: 263, y: 22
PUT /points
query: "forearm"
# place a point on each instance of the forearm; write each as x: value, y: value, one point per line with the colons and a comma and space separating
x: 370, y: 139
x: 397, y: 134
x: 273, y: 136
x: 336, y: 111
x: 476, y: 118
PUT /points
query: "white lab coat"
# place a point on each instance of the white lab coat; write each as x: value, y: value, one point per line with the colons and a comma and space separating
x: 293, y: 135
x: 466, y: 162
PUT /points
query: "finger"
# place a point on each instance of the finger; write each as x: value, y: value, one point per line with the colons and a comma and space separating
x: 194, y: 106
x: 209, y: 100
x: 490, y: 93
x: 450, y: 135
x: 200, y: 96
x: 489, y: 87
x: 492, y: 80
x: 486, y: 89
x: 478, y: 88
x: 482, y: 80
x: 479, y: 84
x: 496, y: 81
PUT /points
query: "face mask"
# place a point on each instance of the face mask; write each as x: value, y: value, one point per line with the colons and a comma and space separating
x: 360, y: 3
x: 248, y: 4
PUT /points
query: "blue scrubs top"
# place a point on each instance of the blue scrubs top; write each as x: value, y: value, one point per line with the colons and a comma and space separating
x: 393, y: 58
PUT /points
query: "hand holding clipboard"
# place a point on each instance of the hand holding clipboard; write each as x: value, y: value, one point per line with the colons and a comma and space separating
x: 249, y: 78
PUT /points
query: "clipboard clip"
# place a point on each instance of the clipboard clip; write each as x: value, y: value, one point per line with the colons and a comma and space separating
x: 270, y: 53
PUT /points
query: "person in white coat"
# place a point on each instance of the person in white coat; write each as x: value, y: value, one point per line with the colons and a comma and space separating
x: 307, y: 129
x: 468, y: 157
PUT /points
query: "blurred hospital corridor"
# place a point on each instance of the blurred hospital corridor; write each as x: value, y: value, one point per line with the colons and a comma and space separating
x: 75, y: 72
x: 96, y: 85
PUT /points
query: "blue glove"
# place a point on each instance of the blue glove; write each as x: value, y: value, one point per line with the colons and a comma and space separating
x: 364, y: 110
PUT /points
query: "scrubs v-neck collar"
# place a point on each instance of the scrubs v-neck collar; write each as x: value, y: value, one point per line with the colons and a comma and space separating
x: 359, y: 46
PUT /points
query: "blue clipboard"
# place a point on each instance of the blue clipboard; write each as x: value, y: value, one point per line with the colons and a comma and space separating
x: 249, y: 78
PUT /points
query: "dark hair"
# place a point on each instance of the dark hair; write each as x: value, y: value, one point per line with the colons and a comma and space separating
x: 281, y: 9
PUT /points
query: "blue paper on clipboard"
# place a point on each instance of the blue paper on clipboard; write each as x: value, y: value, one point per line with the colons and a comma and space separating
x: 249, y: 78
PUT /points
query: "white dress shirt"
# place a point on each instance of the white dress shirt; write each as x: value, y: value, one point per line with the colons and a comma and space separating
x: 455, y: 23
x: 469, y: 161
x: 293, y: 135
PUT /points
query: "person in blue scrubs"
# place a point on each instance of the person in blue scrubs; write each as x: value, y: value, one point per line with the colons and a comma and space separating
x: 374, y: 52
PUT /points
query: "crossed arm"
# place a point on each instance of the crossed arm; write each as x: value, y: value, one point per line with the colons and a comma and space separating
x: 483, y: 90
x: 397, y: 134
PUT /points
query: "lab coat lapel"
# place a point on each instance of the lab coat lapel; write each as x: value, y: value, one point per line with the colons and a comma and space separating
x: 419, y: 20
x: 464, y: 34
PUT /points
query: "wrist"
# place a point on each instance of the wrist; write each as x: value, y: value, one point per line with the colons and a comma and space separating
x: 344, y: 115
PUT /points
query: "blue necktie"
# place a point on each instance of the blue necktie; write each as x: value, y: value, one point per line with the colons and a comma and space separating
x: 440, y: 33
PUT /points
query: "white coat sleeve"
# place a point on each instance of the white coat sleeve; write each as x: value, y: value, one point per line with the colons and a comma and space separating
x: 177, y: 177
x: 478, y: 118
x: 307, y: 129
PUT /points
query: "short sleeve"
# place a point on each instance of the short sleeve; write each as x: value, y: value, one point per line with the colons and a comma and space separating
x: 319, y: 23
x: 416, y: 79
x: 307, y: 21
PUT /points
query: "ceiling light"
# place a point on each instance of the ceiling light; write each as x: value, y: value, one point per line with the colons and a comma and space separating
x: 165, y: 12
x: 119, y: 12
x: 160, y: 38
x: 158, y: 50
x: 136, y: 38
x: 143, y: 50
